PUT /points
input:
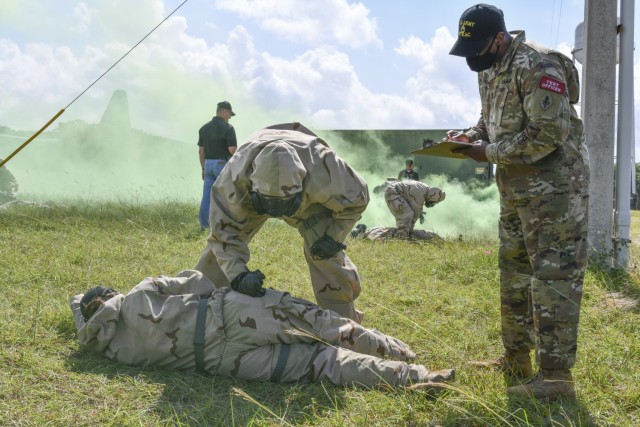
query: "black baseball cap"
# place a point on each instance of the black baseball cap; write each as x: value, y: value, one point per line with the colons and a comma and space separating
x: 477, y: 26
x: 227, y: 106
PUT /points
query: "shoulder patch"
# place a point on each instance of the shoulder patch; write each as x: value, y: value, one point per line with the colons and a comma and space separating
x: 553, y: 85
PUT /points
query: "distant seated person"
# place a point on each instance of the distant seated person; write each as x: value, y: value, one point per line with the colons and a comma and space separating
x: 406, y: 199
x: 8, y: 185
x: 408, y: 172
x: 385, y: 233
x: 185, y: 323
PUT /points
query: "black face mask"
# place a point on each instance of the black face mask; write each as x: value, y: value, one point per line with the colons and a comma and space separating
x: 87, y: 305
x: 275, y: 206
x: 483, y: 62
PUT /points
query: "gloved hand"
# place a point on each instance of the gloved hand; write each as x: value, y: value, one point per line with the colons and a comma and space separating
x: 326, y: 247
x: 422, y: 217
x: 429, y: 205
x: 249, y: 283
x: 358, y: 230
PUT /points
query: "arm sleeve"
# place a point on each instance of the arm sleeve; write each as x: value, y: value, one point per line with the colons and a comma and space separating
x: 416, y: 197
x: 231, y: 137
x: 185, y: 282
x: 547, y: 113
x: 478, y: 132
x: 200, y: 138
x: 343, y: 192
x: 233, y: 225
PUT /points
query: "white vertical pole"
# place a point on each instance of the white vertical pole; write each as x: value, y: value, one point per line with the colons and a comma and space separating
x: 598, y: 114
x: 625, y: 135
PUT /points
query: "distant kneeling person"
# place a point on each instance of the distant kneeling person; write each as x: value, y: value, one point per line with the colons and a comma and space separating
x: 405, y: 200
x: 183, y: 322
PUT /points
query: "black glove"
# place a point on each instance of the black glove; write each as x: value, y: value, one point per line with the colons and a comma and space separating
x: 249, y: 283
x: 430, y: 204
x: 325, y: 247
x: 358, y: 230
x: 421, y: 217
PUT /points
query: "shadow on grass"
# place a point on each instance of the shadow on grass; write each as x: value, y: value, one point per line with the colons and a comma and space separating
x: 540, y: 413
x: 189, y: 398
x: 622, y: 286
x: 557, y: 413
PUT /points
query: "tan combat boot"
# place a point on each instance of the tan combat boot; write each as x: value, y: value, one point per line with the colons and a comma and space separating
x: 547, y: 385
x: 515, y: 363
x: 434, y: 383
x: 441, y: 375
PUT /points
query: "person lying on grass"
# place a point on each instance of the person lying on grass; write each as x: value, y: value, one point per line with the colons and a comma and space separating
x: 183, y: 322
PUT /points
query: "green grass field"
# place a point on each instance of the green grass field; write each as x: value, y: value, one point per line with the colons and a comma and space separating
x: 440, y: 298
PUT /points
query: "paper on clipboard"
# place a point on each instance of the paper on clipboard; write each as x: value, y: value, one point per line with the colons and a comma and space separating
x: 444, y: 149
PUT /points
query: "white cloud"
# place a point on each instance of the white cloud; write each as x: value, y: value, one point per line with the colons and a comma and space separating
x: 443, y: 84
x: 310, y: 21
x: 83, y: 15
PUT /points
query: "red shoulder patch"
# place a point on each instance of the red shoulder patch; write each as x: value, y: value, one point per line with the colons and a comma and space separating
x: 553, y: 85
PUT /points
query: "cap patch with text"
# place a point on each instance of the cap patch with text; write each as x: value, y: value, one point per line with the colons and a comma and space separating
x: 477, y: 26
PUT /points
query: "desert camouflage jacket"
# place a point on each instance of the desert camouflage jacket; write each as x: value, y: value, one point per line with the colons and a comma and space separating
x: 416, y: 193
x: 334, y: 198
x: 529, y: 119
x: 154, y: 324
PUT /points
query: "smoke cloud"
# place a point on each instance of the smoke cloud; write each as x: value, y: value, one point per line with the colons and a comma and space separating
x: 113, y: 160
x: 470, y: 209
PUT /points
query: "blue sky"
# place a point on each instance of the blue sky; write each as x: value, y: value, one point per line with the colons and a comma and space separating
x: 327, y: 63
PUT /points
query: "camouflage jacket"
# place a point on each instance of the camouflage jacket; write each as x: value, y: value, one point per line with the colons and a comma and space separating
x: 334, y: 198
x: 528, y: 117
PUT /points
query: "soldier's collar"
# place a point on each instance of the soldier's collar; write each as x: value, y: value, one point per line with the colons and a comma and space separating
x: 517, y: 37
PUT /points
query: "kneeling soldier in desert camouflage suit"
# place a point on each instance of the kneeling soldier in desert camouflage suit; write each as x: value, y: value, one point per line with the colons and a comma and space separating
x: 287, y: 172
x: 406, y: 199
x: 184, y: 323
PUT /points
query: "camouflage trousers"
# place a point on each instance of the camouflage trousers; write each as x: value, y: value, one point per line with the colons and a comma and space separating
x: 542, y: 258
x: 401, y: 211
x: 322, y: 345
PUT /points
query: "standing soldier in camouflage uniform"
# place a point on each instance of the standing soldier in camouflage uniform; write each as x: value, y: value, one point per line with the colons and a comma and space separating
x: 530, y: 129
x: 405, y: 200
x: 185, y: 323
x: 287, y: 172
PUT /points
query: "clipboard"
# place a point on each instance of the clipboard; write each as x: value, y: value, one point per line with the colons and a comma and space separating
x: 444, y: 149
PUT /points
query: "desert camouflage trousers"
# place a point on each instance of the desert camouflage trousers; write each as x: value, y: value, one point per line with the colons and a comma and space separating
x: 401, y: 211
x: 542, y: 258
x: 321, y: 345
